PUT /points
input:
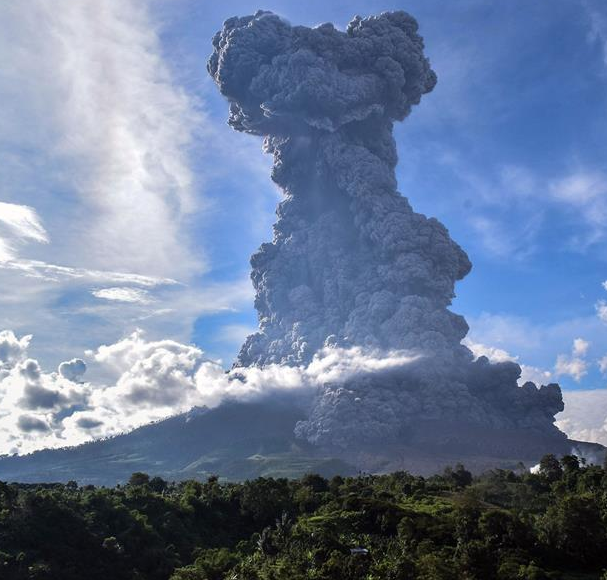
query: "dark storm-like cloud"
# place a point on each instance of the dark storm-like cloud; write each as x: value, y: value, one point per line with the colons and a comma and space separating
x: 28, y: 424
x: 88, y: 423
x: 351, y: 264
x: 350, y: 258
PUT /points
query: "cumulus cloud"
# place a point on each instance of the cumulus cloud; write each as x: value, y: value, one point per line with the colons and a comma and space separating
x: 33, y: 402
x: 12, y: 349
x: 529, y: 373
x: 72, y: 370
x: 585, y: 415
x: 580, y: 347
x: 574, y: 365
x: 147, y: 380
x: 493, y: 353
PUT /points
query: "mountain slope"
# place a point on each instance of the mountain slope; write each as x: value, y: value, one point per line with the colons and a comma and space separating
x: 236, y: 441
x: 240, y: 441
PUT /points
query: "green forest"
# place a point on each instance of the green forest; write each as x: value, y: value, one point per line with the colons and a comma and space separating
x: 504, y: 524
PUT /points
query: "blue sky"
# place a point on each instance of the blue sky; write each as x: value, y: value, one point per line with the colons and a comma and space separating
x: 128, y: 203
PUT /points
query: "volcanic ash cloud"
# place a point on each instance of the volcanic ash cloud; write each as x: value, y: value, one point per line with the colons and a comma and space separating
x: 351, y: 264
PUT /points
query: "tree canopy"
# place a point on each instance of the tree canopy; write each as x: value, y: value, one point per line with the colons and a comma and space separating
x: 503, y: 525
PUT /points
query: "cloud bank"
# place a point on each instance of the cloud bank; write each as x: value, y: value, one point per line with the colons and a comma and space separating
x: 147, y: 380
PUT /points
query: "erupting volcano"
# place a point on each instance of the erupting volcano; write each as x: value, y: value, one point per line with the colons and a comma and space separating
x: 351, y: 265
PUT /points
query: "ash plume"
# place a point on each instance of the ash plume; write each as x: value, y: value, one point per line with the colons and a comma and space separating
x: 351, y: 264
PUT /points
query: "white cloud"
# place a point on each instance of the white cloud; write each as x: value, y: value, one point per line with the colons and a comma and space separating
x: 501, y: 239
x: 146, y: 380
x: 96, y: 135
x: 585, y: 415
x: 506, y: 205
x: 497, y: 355
x: 494, y: 354
x: 136, y: 295
x: 89, y: 93
x: 585, y: 192
x: 539, y: 343
x: 580, y: 347
x: 55, y: 273
x: 18, y: 224
x: 574, y: 365
x: 23, y: 222
x: 535, y: 375
x: 603, y: 364
x: 601, y: 310
x: 72, y: 370
x: 584, y: 189
x: 137, y: 380
x: 6, y: 251
x: 12, y: 351
x: 499, y: 205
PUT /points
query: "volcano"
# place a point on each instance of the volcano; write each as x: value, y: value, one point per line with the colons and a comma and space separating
x: 352, y: 274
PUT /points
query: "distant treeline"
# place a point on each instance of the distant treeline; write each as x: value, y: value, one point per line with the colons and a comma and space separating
x: 504, y: 525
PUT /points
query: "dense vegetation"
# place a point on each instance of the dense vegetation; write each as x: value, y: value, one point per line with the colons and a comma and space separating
x: 503, y: 525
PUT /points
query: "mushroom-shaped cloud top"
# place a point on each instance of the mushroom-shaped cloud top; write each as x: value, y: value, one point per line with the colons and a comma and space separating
x: 277, y: 76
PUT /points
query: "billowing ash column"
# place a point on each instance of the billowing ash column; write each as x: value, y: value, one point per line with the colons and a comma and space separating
x: 351, y: 264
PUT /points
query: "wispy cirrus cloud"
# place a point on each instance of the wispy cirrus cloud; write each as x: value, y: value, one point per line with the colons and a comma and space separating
x: 55, y: 273
x: 22, y: 222
x: 601, y: 307
x: 583, y: 193
x: 98, y: 187
x: 86, y: 90
x: 18, y: 224
x: 598, y: 24
x: 131, y: 295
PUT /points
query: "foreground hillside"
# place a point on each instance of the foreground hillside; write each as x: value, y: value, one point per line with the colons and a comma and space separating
x: 502, y: 525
